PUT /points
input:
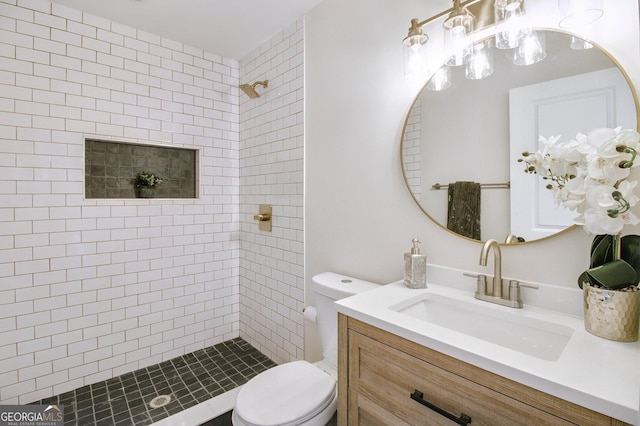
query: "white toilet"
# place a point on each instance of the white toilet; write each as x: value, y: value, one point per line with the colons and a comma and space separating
x: 301, y: 393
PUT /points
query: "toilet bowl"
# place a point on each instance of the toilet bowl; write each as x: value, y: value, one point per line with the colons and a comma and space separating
x: 300, y: 393
x: 295, y: 393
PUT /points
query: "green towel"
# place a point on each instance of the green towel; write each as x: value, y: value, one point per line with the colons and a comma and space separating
x: 463, y: 216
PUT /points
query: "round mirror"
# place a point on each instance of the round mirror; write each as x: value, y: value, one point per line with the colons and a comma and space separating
x: 463, y: 136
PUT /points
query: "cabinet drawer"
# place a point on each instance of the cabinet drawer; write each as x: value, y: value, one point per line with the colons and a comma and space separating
x: 366, y: 412
x: 388, y: 377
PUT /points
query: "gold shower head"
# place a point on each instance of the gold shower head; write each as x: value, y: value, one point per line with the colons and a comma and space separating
x: 250, y: 89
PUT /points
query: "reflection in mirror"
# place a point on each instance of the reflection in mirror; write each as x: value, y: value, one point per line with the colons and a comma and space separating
x: 466, y: 140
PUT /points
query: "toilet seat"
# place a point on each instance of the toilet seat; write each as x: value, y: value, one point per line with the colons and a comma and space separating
x: 286, y: 395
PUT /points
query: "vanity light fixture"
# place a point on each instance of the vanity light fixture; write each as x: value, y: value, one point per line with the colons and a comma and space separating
x: 512, y: 32
x: 458, y: 25
x: 575, y: 13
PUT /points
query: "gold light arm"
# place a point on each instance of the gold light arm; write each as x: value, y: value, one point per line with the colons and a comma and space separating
x: 419, y: 24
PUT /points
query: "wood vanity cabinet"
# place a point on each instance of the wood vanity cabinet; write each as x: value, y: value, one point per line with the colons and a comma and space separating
x: 383, y: 379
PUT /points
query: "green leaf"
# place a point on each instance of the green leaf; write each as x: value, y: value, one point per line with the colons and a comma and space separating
x: 601, y: 250
x: 619, y: 274
x: 612, y: 275
x: 583, y: 278
x: 630, y: 251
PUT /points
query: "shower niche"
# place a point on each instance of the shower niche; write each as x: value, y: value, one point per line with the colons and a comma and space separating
x: 111, y: 168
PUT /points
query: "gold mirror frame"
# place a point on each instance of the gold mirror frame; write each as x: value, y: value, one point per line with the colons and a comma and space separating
x: 408, y: 116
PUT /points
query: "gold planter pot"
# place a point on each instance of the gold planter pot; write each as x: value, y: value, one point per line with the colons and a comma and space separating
x: 611, y: 314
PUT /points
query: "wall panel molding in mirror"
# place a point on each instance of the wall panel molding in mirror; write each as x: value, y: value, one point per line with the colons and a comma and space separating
x: 111, y: 168
x: 475, y: 131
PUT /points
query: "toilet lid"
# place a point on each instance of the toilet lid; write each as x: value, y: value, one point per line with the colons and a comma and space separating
x: 288, y: 394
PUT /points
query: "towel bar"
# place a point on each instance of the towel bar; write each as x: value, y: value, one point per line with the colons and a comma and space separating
x: 437, y: 186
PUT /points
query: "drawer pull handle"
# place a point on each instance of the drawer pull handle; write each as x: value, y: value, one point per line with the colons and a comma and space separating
x: 462, y: 420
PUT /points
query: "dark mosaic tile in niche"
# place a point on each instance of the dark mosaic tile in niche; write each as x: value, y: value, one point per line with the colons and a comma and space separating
x: 111, y: 167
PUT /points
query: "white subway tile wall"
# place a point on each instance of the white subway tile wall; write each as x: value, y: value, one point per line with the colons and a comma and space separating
x: 90, y: 289
x: 272, y: 172
x: 412, y: 149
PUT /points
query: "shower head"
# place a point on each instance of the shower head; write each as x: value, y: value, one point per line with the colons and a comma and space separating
x: 250, y: 89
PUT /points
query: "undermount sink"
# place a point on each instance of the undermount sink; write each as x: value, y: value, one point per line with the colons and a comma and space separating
x: 539, y: 338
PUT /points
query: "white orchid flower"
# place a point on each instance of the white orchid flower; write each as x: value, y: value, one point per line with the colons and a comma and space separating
x: 630, y: 138
x: 589, y: 175
x: 597, y: 137
x: 596, y: 221
x: 628, y: 218
x: 626, y: 189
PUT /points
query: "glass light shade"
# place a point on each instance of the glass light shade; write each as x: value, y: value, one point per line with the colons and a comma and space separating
x: 531, y: 49
x: 480, y: 63
x: 575, y: 13
x: 441, y: 80
x: 415, y: 58
x: 509, y: 22
x: 415, y: 61
x: 415, y: 40
x: 456, y: 41
x: 580, y: 44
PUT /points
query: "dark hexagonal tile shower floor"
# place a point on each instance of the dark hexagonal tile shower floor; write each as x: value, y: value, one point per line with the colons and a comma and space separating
x: 181, y: 383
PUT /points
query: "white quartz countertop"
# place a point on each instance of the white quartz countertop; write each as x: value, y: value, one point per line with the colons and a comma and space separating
x: 593, y: 372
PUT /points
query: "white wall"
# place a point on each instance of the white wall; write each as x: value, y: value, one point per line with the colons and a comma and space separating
x: 90, y: 289
x: 360, y: 218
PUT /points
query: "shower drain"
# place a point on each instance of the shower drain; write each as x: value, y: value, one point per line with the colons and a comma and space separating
x: 160, y: 401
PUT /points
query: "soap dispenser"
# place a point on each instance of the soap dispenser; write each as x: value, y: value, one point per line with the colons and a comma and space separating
x: 415, y: 267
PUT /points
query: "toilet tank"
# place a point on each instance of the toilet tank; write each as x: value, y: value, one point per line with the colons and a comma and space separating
x: 329, y: 287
